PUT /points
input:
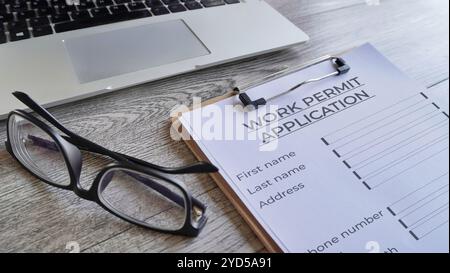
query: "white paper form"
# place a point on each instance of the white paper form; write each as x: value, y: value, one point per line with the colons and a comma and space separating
x: 355, y: 163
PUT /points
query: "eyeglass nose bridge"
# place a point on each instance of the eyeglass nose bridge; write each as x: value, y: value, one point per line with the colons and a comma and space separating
x: 74, y: 164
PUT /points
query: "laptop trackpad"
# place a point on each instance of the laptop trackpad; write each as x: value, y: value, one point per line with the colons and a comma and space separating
x: 104, y: 55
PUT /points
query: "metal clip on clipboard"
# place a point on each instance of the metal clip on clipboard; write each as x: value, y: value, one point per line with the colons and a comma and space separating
x: 338, y: 63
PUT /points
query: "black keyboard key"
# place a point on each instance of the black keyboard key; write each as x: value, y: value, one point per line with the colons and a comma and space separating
x: 42, y: 30
x: 85, y: 5
x: 39, y: 21
x: 45, y: 11
x: 136, y: 6
x: 21, y: 24
x: 2, y: 38
x: 177, y: 8
x: 36, y: 4
x: 18, y: 34
x: 57, y: 2
x: 160, y: 10
x: 6, y: 17
x: 58, y: 18
x: 118, y: 2
x: 154, y: 3
x: 80, y: 15
x: 99, y: 12
x: 66, y: 8
x: 232, y: 1
x: 26, y: 14
x: 103, y: 3
x: 171, y: 2
x: 119, y: 9
x: 18, y: 6
x: 212, y: 3
x: 192, y: 5
x: 136, y: 14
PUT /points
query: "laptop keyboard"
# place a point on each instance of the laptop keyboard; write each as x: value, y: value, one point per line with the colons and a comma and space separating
x: 24, y: 19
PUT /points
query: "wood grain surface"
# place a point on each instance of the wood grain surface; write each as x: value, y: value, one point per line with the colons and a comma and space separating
x: 35, y: 217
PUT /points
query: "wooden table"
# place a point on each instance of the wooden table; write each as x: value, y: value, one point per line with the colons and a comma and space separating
x: 35, y: 217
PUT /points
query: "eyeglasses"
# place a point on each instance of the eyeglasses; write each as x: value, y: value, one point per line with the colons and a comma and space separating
x: 139, y: 192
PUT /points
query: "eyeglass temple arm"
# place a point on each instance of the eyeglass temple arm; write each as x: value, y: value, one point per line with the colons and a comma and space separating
x: 198, y: 167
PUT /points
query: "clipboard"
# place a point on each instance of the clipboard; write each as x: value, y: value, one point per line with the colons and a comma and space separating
x: 341, y: 68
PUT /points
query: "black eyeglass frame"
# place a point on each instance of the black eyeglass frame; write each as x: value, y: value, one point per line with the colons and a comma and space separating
x: 70, y: 146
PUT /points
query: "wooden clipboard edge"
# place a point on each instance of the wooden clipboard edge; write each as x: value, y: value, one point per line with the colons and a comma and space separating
x: 262, y: 235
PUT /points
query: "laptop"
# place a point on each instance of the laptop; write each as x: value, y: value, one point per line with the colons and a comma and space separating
x: 64, y: 50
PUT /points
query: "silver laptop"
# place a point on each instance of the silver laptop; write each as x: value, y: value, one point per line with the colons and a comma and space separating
x: 63, y: 50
